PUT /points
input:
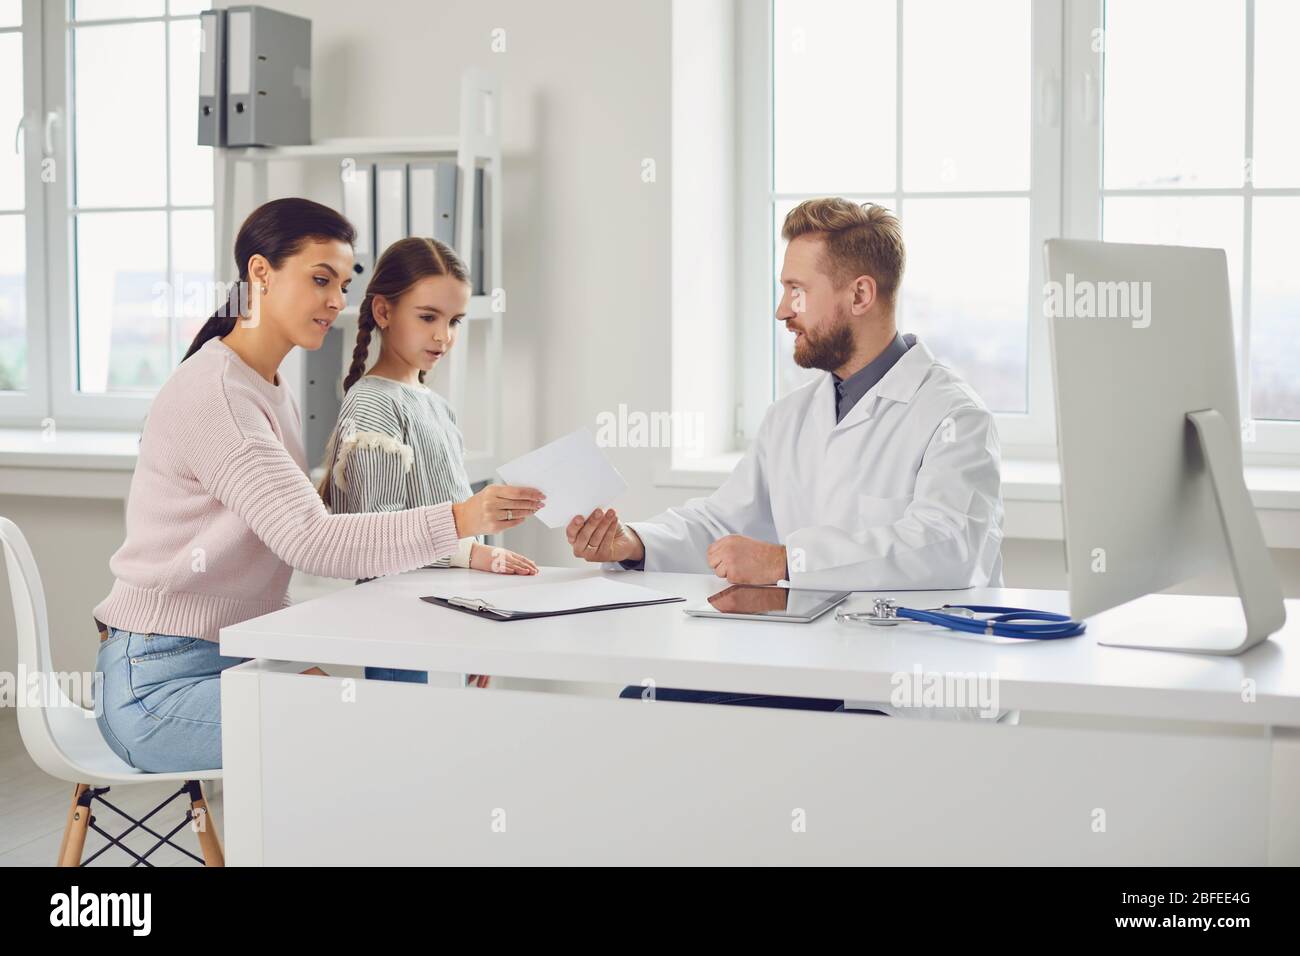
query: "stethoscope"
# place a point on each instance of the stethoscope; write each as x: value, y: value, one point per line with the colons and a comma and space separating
x: 1003, y: 621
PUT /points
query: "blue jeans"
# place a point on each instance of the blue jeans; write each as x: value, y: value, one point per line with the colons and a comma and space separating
x: 162, y: 700
x: 743, y: 700
x: 396, y: 673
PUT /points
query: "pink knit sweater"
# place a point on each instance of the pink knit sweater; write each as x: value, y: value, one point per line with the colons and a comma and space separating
x: 221, y: 509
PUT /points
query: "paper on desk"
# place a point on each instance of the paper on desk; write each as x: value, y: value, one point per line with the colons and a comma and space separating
x: 572, y: 472
x: 548, y: 597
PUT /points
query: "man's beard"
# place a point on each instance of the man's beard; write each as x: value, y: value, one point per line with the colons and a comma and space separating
x: 828, y: 350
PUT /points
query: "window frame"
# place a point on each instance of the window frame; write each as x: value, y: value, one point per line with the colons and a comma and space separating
x: 1066, y: 194
x: 1030, y: 431
x: 32, y: 404
x: 52, y: 392
x: 1264, y: 442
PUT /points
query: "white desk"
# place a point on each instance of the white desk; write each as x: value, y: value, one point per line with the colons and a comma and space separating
x: 1170, y: 763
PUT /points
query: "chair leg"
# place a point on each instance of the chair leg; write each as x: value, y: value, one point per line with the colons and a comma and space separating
x: 67, y: 825
x: 209, y: 844
x: 74, y: 832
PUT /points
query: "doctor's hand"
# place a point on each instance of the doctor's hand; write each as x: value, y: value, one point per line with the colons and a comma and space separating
x: 602, y: 537
x: 741, y: 560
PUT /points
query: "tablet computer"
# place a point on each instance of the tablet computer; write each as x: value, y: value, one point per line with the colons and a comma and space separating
x: 753, y: 602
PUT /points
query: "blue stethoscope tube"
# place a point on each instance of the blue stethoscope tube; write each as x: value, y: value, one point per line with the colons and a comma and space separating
x: 1003, y: 622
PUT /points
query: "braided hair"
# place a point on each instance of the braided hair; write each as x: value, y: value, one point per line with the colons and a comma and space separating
x: 402, y: 265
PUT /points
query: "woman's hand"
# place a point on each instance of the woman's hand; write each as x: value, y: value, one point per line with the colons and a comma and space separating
x: 499, y: 561
x: 495, y: 508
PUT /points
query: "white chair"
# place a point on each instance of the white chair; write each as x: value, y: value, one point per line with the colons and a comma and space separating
x: 64, y: 739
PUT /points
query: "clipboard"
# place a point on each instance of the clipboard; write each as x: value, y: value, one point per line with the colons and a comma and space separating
x: 489, y: 612
x: 552, y: 599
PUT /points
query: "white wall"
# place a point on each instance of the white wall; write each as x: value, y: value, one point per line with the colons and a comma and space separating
x: 72, y: 540
x: 703, y: 226
x: 585, y: 99
x: 1041, y: 564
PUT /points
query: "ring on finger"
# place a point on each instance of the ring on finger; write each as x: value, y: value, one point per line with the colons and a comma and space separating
x: 510, y: 515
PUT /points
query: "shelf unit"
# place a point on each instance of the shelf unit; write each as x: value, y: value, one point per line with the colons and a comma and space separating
x: 474, y: 388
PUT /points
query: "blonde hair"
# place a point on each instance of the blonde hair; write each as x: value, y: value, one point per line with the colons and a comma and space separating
x: 859, y: 240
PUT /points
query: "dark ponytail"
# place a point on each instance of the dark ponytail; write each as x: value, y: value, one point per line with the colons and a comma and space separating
x: 277, y: 230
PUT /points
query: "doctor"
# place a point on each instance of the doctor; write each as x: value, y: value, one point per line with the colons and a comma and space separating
x: 883, y: 473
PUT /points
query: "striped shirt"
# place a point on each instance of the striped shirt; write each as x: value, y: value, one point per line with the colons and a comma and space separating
x: 397, y: 446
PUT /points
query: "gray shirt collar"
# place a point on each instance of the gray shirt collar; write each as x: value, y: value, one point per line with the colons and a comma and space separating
x: 849, y: 390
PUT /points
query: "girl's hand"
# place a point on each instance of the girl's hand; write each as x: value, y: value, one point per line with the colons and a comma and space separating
x: 495, y: 508
x: 499, y: 561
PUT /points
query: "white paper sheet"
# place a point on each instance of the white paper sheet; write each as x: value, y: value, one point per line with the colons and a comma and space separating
x: 572, y: 472
x: 550, y: 596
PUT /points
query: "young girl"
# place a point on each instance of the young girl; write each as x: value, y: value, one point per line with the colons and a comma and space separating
x: 397, y: 444
x: 221, y: 509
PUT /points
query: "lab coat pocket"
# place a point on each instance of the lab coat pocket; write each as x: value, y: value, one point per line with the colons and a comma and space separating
x: 875, y: 511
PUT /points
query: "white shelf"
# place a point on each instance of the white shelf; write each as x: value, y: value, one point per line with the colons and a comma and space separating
x: 343, y: 148
x: 67, y: 464
x: 69, y: 448
x: 475, y: 146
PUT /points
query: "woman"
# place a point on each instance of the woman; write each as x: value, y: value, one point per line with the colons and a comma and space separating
x: 221, y: 510
x: 396, y: 443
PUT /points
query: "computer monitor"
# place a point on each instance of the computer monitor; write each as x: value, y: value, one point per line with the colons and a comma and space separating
x: 1149, y: 437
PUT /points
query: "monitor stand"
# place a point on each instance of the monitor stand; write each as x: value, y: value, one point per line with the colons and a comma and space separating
x: 1252, y: 567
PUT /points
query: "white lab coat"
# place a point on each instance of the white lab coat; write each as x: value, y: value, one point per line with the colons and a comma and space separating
x: 903, y: 493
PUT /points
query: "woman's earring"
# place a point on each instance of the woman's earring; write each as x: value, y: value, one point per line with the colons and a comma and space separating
x: 263, y: 288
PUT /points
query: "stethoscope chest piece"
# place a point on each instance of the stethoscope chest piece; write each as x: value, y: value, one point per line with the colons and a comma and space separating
x: 883, y: 613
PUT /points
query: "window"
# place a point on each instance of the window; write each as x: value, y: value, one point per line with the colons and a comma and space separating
x: 865, y: 106
x: 13, y: 205
x: 123, y: 197
x: 992, y: 126
x: 1200, y: 146
x: 141, y: 209
x: 943, y: 111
